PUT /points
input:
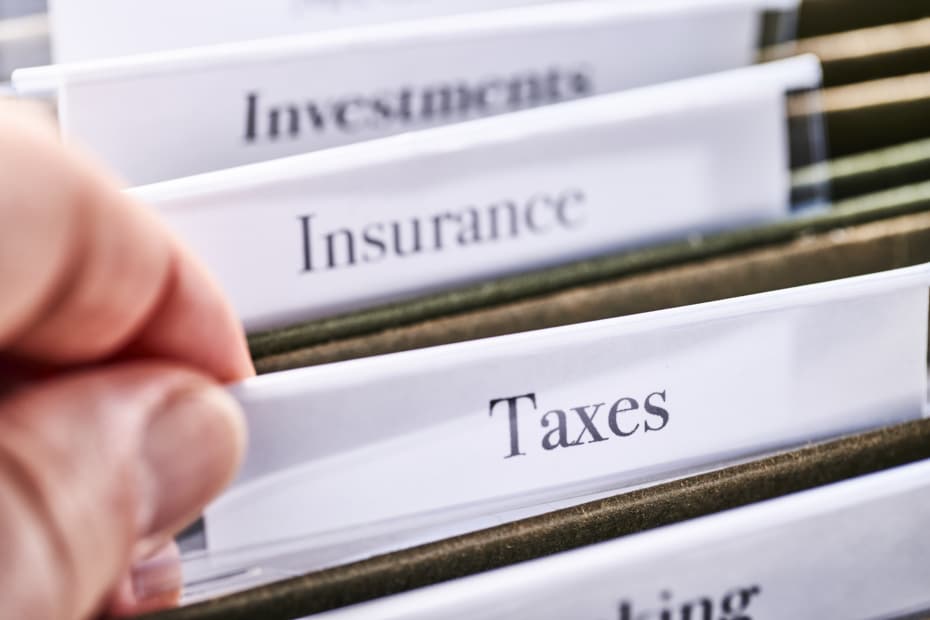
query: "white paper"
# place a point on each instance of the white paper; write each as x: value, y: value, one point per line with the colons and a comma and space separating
x: 173, y: 114
x: 856, y: 549
x: 348, y: 448
x: 86, y: 29
x: 582, y: 179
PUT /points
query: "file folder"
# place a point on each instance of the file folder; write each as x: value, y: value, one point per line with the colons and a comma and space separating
x: 771, y: 560
x: 877, y: 233
x: 219, y: 106
x: 105, y: 28
x: 389, y: 219
x: 791, y: 368
x: 611, y: 518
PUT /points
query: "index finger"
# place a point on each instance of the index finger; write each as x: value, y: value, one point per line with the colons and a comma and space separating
x: 87, y: 274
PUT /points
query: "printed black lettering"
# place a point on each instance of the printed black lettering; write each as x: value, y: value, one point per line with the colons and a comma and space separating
x: 251, y: 112
x: 570, y: 198
x: 274, y: 121
x: 580, y: 84
x: 331, y: 247
x: 317, y: 119
x: 372, y: 241
x: 382, y: 109
x: 560, y: 431
x: 404, y: 103
x: 624, y: 419
x: 655, y: 411
x: 414, y: 238
x: 527, y: 91
x: 470, y: 231
x: 532, y: 217
x: 411, y: 105
x: 305, y: 241
x: 705, y: 605
x: 588, y: 421
x: 736, y: 602
x: 734, y: 605
x: 542, y: 213
x: 495, y: 210
x: 349, y: 115
x: 445, y: 102
x: 438, y: 236
x: 512, y: 419
x: 622, y: 405
x: 491, y: 96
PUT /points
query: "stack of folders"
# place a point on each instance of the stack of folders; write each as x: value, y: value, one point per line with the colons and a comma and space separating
x: 585, y: 309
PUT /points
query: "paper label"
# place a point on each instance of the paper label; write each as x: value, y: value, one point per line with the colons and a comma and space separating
x: 494, y: 424
x: 183, y: 113
x: 105, y: 28
x: 856, y: 549
x: 344, y: 229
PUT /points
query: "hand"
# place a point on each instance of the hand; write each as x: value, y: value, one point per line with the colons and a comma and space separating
x: 114, y: 430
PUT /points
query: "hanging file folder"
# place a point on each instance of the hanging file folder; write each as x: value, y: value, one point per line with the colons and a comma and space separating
x: 159, y: 116
x: 278, y: 589
x: 462, y: 432
x: 348, y: 228
x: 855, y: 549
x: 104, y: 28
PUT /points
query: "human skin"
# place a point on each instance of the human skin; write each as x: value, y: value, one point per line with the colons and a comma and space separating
x: 114, y: 345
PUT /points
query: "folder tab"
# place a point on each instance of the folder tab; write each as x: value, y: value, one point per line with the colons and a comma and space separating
x: 171, y: 114
x: 329, y: 232
x: 103, y: 28
x: 395, y: 445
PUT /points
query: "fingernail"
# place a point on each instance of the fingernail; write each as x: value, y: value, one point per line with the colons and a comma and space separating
x: 158, y: 580
x: 152, y: 584
x: 192, y: 449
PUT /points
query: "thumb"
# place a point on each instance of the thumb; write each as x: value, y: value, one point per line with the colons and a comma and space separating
x: 99, y: 469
